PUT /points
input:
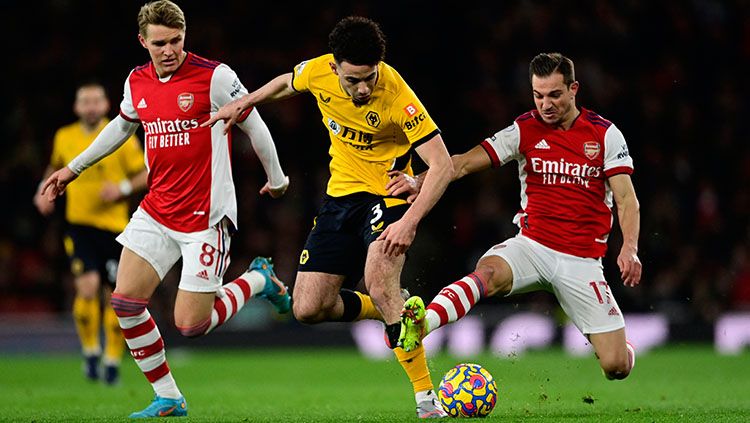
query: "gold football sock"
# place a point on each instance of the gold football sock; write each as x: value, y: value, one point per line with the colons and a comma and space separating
x: 415, y: 366
x: 114, y: 341
x: 87, y: 316
x: 368, y: 311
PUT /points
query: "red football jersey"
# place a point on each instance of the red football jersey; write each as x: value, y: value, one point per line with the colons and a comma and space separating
x: 190, y: 185
x: 566, y: 201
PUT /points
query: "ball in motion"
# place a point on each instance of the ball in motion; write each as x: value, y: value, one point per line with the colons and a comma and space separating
x: 468, y: 390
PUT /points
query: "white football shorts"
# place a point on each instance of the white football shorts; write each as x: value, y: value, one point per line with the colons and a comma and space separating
x: 577, y: 282
x: 205, y: 254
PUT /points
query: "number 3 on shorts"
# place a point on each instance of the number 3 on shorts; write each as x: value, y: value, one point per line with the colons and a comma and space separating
x: 377, y: 213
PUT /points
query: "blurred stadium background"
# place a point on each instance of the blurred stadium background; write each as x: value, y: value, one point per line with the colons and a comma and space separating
x: 668, y: 73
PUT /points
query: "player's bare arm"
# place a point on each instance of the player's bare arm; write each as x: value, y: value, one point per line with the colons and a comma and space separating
x: 628, y: 214
x: 399, y: 235
x: 276, y: 89
x: 472, y: 161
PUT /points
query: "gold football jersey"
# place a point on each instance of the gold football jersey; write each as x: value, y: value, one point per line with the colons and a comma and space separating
x: 84, y: 205
x: 366, y: 140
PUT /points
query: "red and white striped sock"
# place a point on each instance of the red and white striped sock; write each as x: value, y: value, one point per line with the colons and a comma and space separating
x: 145, y: 343
x: 454, y: 301
x: 233, y: 296
x: 229, y: 300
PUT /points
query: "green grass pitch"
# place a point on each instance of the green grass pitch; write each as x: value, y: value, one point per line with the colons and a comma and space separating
x: 678, y: 383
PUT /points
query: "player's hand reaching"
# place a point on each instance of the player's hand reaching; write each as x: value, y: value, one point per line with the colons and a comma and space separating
x: 275, y: 192
x: 44, y: 206
x: 398, y: 237
x: 401, y: 183
x: 229, y: 113
x: 630, y: 266
x: 55, y: 185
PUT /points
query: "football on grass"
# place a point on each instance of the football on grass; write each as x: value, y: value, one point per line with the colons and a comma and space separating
x: 468, y: 390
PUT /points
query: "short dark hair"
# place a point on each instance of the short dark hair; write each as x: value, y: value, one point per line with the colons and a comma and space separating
x: 545, y: 64
x: 357, y: 40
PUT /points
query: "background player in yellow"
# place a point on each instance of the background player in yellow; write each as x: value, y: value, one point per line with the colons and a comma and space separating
x: 96, y: 211
x: 375, y: 122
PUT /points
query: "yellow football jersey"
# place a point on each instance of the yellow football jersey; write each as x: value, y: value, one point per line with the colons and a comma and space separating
x: 368, y: 140
x: 84, y: 203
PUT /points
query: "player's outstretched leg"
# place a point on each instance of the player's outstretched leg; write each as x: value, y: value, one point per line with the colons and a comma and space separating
x: 258, y: 281
x: 412, y: 324
x: 447, y: 307
x: 163, y: 407
x: 274, y: 290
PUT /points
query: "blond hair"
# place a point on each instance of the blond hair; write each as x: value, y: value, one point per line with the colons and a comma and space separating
x: 161, y: 12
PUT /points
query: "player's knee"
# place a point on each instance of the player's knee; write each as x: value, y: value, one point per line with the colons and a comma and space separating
x: 193, y: 330
x: 308, y: 315
x: 615, y: 368
x: 126, y: 306
x: 87, y: 285
x: 497, y: 276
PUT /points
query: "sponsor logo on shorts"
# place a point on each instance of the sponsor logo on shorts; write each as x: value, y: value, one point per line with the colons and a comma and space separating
x: 202, y: 274
x: 613, y: 312
x: 377, y: 228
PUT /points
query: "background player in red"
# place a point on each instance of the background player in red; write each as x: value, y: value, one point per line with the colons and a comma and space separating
x: 570, y: 161
x: 190, y: 210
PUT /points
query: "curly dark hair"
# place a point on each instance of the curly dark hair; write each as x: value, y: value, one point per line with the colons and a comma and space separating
x: 357, y: 40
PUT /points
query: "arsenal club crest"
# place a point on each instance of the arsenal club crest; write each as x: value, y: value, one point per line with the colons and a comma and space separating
x: 591, y: 149
x: 185, y: 101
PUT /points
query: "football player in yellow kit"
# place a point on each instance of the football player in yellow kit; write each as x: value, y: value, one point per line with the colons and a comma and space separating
x: 375, y: 122
x: 96, y: 211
